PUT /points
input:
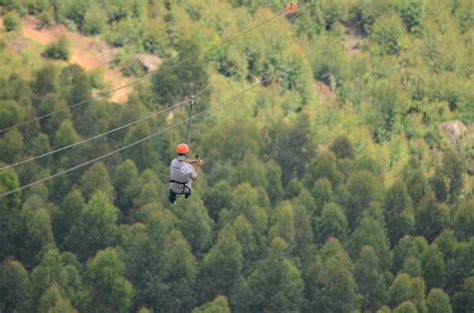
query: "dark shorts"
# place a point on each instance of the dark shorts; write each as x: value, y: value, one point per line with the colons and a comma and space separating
x: 172, y: 195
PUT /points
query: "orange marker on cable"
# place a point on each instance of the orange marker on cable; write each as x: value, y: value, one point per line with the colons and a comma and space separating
x: 291, y: 8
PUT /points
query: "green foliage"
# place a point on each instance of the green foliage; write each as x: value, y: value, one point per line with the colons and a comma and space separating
x: 363, y: 189
x: 431, y: 218
x: 286, y: 173
x: 342, y: 148
x: 283, y: 224
x: 322, y: 166
x: 434, y: 267
x: 9, y: 209
x: 15, y: 287
x: 96, y: 178
x: 332, y: 68
x: 94, y: 21
x: 133, y: 67
x: 406, y: 307
x: 106, y: 289
x: 322, y: 192
x: 12, y: 146
x: 220, y: 273
x: 52, y: 301
x: 12, y: 21
x: 463, y: 299
x: 437, y: 301
x: 370, y: 232
x: 404, y: 289
x: 398, y: 212
x: 417, y: 186
x: 275, y: 285
x: 195, y: 224
x: 67, y: 215
x: 383, y: 114
x: 56, y: 274
x: 95, y: 228
x: 66, y: 135
x: 45, y: 80
x: 59, y: 50
x: 10, y: 113
x: 333, y: 287
x: 35, y: 236
x: 231, y: 138
x: 144, y: 154
x: 387, y: 32
x: 332, y: 223
x: 464, y: 220
x: 411, y: 12
x: 370, y: 279
x: 219, y: 305
x: 172, y: 86
x: 126, y: 184
x: 292, y: 146
x: 245, y: 202
x: 454, y: 168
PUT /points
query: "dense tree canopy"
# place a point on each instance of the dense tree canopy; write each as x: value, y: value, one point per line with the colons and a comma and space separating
x: 329, y: 186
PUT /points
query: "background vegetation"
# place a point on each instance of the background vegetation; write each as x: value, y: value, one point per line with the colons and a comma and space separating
x: 330, y: 188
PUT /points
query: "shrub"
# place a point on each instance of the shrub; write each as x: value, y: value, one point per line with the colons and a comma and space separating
x: 387, y: 32
x: 12, y: 21
x: 94, y: 21
x: 59, y: 50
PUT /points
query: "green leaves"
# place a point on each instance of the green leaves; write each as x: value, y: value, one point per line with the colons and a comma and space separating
x: 387, y: 32
x: 59, y: 49
x: 106, y: 289
x: 15, y: 287
x: 221, y: 271
x: 398, y: 212
x: 275, y: 285
x: 95, y: 228
x: 291, y: 213
x: 438, y: 302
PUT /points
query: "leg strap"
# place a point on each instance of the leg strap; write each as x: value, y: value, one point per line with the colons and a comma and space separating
x: 181, y: 183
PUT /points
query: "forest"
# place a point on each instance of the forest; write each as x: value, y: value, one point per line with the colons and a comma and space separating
x: 338, y: 141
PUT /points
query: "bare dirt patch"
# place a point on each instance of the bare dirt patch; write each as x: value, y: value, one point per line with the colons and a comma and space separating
x: 324, y: 91
x: 352, y: 41
x: 90, y: 53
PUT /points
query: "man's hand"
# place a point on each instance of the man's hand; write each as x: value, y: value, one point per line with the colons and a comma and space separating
x: 200, y: 163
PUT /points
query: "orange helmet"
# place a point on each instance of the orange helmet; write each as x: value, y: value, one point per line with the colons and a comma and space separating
x: 182, y: 148
x: 292, y: 8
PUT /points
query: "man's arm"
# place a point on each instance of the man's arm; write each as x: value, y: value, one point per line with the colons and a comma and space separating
x: 191, y: 161
x: 199, y: 164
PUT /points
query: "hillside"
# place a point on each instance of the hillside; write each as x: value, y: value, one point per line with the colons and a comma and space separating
x: 338, y: 145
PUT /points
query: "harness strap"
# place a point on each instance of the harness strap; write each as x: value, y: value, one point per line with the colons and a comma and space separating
x: 181, y: 183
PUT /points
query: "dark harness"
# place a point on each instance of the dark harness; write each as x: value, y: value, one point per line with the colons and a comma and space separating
x: 181, y: 183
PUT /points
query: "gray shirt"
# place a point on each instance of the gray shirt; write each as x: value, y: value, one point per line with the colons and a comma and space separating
x: 183, y: 172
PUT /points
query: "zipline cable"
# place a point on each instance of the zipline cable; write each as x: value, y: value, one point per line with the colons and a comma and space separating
x: 247, y: 55
x: 101, y: 95
x: 163, y: 130
x: 193, y: 97
x: 117, y: 128
x: 124, y: 147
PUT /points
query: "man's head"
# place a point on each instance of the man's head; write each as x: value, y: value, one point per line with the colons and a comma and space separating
x: 182, y: 150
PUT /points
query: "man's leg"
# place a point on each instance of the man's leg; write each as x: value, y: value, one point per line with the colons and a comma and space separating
x: 187, y: 194
x: 172, y: 196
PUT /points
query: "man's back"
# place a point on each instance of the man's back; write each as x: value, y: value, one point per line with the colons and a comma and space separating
x: 182, y: 172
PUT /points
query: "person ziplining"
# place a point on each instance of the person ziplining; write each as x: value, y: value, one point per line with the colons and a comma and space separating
x: 182, y: 173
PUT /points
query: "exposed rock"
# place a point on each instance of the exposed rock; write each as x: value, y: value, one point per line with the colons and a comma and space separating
x: 149, y: 61
x: 454, y: 130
